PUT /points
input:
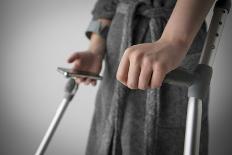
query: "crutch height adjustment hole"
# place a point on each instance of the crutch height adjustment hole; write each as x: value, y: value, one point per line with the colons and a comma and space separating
x: 212, y: 47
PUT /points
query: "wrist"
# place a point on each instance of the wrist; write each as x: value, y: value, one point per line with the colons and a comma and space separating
x: 97, y: 44
x: 99, y: 54
x: 177, y: 41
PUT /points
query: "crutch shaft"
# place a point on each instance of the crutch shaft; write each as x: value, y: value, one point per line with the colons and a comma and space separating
x: 214, y: 36
x: 52, y: 128
x: 193, y: 127
x: 70, y: 90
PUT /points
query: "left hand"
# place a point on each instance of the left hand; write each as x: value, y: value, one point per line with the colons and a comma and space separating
x: 144, y: 66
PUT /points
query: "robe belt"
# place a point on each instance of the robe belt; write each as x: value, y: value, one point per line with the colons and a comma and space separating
x: 145, y: 10
x: 129, y: 10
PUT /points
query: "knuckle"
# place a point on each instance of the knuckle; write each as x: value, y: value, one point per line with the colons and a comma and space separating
x: 78, y: 62
x: 147, y: 60
x: 77, y: 66
x: 128, y: 51
x: 161, y: 66
x: 135, y: 56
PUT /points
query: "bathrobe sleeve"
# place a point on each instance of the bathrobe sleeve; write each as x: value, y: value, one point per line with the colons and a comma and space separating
x: 104, y: 9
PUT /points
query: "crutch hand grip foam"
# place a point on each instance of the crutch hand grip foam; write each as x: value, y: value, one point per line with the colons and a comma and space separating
x: 70, y: 89
x: 70, y: 86
x: 180, y: 77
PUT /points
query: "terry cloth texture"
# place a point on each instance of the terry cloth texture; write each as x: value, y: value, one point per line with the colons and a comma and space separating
x: 140, y: 122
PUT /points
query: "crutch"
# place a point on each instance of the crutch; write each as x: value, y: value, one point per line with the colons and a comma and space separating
x: 198, y: 82
x: 70, y: 90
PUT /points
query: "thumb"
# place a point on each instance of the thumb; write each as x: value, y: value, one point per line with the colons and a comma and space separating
x: 73, y: 57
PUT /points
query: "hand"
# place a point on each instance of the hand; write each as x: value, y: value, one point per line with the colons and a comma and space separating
x: 86, y: 61
x: 144, y: 66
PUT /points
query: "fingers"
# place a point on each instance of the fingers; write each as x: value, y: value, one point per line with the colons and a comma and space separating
x: 158, y: 76
x: 93, y: 82
x: 123, y: 69
x: 86, y: 81
x: 141, y: 69
x: 133, y: 75
x: 73, y: 57
x: 80, y: 80
x: 83, y: 61
x: 145, y: 78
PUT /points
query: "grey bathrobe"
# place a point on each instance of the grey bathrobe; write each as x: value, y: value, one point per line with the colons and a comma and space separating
x: 140, y: 122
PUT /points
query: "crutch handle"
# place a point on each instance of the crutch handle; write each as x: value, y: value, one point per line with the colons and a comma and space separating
x: 180, y: 77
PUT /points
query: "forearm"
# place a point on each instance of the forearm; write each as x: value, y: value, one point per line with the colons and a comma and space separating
x: 186, y: 20
x: 97, y: 43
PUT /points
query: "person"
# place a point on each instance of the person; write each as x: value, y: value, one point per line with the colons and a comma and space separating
x: 135, y: 112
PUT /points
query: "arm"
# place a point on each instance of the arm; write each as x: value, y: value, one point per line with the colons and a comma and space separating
x: 145, y: 65
x: 185, y: 21
x: 91, y: 59
x: 97, y: 43
x: 103, y: 11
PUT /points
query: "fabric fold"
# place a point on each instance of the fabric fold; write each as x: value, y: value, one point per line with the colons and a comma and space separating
x: 152, y: 108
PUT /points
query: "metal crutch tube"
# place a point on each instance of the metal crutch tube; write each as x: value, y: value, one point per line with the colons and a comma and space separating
x: 193, y: 129
x: 198, y: 83
x: 221, y: 10
x: 70, y: 90
x: 198, y: 90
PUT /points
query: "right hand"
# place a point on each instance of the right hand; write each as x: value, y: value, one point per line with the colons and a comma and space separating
x: 86, y: 61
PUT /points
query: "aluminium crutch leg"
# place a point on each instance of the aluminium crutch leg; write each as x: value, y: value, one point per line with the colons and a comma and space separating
x: 70, y: 90
x: 193, y: 122
x: 198, y: 82
x: 204, y: 71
